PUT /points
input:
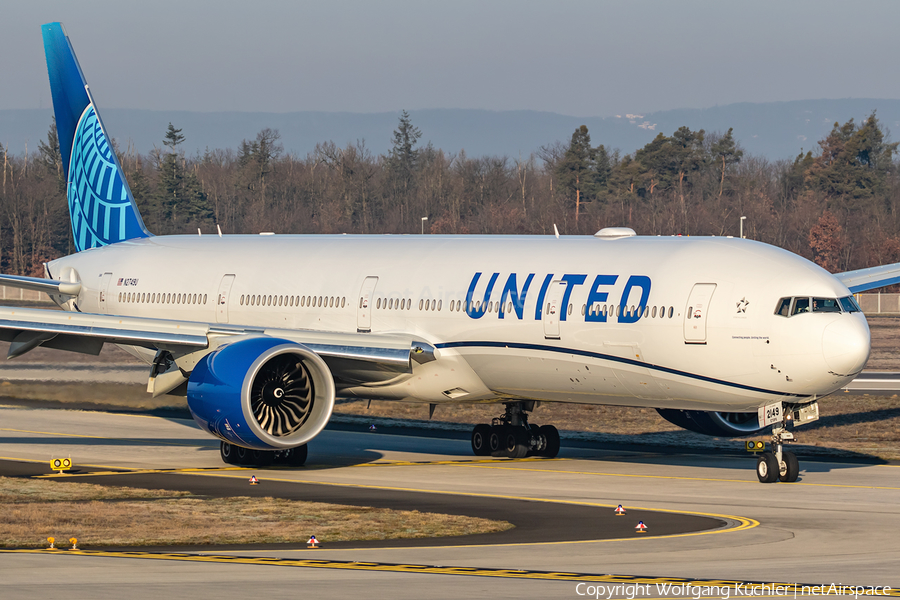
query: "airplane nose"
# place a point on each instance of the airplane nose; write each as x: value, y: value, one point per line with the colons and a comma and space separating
x: 845, y: 344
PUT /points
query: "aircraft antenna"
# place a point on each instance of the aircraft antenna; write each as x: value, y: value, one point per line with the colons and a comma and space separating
x: 555, y: 231
x: 219, y: 229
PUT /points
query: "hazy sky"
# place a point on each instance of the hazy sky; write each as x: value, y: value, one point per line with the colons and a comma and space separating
x: 587, y: 58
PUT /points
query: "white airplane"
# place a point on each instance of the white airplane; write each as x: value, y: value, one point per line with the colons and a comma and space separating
x: 261, y: 332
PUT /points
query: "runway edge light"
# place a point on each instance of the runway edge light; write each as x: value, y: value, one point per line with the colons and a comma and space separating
x: 51, y: 540
x: 74, y: 542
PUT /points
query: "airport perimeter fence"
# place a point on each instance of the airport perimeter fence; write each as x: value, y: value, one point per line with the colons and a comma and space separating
x: 18, y: 294
x: 879, y: 304
x: 872, y: 304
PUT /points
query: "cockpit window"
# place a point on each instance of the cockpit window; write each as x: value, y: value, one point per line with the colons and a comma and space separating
x: 849, y: 304
x: 826, y: 305
x: 801, y: 305
x: 784, y: 307
x: 795, y: 306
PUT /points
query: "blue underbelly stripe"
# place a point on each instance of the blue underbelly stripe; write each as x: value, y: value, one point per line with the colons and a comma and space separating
x: 618, y: 359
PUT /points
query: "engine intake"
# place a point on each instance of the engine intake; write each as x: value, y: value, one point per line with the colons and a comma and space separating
x: 262, y: 393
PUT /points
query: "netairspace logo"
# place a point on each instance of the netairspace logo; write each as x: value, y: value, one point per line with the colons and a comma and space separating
x: 633, y: 591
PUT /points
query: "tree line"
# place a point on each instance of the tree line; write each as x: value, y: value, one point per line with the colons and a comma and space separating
x: 838, y: 204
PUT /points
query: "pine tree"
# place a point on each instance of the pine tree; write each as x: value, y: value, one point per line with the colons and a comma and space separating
x: 577, y: 172
x: 402, y: 162
x: 726, y: 152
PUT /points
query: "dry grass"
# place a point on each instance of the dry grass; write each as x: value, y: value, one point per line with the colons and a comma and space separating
x: 107, y: 516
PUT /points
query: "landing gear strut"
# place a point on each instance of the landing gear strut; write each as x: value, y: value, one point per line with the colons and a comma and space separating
x: 781, y: 464
x: 510, y: 435
x: 245, y: 457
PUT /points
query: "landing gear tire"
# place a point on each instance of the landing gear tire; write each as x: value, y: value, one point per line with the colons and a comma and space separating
x: 551, y: 435
x: 228, y: 452
x: 242, y: 456
x: 496, y: 440
x: 296, y: 457
x: 481, y: 440
x: 767, y: 468
x: 789, y: 468
x: 261, y: 458
x: 515, y: 442
x: 510, y: 435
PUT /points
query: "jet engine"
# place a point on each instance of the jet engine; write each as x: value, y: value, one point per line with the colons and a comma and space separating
x: 262, y: 393
x: 719, y: 424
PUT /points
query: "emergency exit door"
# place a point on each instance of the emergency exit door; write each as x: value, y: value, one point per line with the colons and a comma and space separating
x: 697, y: 312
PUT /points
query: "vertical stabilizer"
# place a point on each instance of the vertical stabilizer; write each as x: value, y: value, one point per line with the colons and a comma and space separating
x: 101, y: 207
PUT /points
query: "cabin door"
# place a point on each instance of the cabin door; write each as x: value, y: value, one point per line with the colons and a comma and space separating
x: 364, y: 306
x: 697, y: 312
x: 104, y: 292
x: 553, y: 309
x: 222, y: 298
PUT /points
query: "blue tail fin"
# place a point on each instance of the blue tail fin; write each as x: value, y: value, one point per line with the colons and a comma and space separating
x: 101, y: 207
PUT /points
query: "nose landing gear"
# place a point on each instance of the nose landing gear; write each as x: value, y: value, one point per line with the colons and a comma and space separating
x: 511, y: 436
x: 780, y: 465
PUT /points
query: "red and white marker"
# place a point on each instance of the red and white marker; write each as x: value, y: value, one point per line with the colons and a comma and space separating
x: 620, y: 511
x: 640, y: 527
x: 254, y: 480
x: 313, y: 542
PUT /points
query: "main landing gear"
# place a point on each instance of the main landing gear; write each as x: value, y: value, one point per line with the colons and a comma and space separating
x: 245, y: 457
x: 780, y: 465
x: 510, y: 435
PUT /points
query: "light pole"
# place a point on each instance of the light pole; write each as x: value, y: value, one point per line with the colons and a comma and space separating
x: 423, y: 224
x: 742, y: 227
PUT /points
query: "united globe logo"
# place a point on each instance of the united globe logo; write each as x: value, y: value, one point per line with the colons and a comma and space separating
x: 99, y: 201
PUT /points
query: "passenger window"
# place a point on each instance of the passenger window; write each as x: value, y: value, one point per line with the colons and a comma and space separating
x: 440, y: 302
x: 784, y: 307
x: 826, y: 305
x: 671, y: 311
x: 801, y: 305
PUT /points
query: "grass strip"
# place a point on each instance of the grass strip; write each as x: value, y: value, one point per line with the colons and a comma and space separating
x: 34, y: 510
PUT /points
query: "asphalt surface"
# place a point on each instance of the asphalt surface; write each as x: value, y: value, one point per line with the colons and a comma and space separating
x: 534, y: 521
x: 837, y: 524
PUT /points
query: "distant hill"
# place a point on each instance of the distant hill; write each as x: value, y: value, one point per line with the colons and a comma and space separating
x: 774, y: 129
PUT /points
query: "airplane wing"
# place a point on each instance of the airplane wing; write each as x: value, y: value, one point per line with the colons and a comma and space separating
x: 863, y: 280
x: 353, y: 357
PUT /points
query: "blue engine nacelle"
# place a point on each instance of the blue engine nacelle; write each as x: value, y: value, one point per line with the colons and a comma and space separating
x: 262, y: 393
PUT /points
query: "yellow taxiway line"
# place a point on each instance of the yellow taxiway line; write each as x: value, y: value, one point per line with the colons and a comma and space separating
x: 793, y: 589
